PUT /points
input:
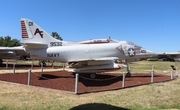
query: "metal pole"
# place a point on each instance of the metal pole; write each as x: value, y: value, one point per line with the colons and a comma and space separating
x: 123, y: 80
x: 177, y: 72
x: 32, y: 64
x: 41, y: 67
x: 171, y: 73
x: 6, y: 64
x: 29, y: 77
x: 63, y: 66
x: 128, y: 68
x: 76, y: 83
x: 53, y: 64
x: 152, y: 75
x: 14, y: 68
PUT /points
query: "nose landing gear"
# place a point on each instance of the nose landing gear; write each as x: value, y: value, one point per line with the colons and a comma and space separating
x: 128, y: 74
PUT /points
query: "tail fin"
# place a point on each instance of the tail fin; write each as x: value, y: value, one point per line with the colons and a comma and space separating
x: 33, y: 34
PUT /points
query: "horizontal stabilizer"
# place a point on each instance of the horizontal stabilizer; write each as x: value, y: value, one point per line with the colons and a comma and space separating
x: 34, y: 44
x: 18, y: 48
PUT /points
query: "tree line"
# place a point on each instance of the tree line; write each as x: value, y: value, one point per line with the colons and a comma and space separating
x: 7, y: 41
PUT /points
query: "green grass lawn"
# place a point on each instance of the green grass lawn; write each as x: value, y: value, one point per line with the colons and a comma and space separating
x: 157, y: 96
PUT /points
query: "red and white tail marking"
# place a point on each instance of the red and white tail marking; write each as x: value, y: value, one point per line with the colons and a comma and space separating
x: 24, y: 31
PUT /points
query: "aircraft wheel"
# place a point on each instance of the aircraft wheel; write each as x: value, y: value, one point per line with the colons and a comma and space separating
x: 128, y: 74
x: 42, y: 63
x: 1, y: 61
x: 92, y: 75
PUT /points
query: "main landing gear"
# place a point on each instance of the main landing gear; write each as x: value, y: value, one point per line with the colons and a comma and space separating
x: 92, y: 75
x: 128, y: 74
x: 87, y: 75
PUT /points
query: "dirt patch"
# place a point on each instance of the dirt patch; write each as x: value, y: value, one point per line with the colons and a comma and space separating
x: 65, y: 81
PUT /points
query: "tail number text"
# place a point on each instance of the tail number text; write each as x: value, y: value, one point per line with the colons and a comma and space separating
x: 53, y: 44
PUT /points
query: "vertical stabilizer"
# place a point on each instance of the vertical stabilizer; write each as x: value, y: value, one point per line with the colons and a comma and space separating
x: 34, y: 34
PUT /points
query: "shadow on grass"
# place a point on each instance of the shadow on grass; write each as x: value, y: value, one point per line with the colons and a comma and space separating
x: 97, y: 106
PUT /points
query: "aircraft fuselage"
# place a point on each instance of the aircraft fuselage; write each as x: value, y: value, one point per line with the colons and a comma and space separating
x: 78, y: 52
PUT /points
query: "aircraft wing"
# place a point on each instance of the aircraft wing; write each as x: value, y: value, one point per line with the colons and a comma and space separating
x: 12, y: 52
x: 93, y: 62
x: 100, y: 59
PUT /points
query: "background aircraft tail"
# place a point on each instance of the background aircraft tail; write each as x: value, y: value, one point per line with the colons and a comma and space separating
x: 32, y: 34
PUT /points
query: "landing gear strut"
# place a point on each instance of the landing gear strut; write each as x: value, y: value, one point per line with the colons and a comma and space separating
x: 89, y: 75
x: 42, y: 63
x: 128, y: 74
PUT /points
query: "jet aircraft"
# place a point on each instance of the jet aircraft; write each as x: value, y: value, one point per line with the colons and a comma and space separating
x: 82, y: 57
x: 91, y: 56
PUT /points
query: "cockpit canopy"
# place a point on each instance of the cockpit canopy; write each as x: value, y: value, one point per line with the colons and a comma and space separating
x: 132, y: 43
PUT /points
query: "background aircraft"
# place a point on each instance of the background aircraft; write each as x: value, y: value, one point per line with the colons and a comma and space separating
x: 12, y: 52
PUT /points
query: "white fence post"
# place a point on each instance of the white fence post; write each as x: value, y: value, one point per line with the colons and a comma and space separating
x: 76, y: 83
x: 14, y: 67
x: 6, y: 64
x: 123, y: 80
x: 63, y: 66
x: 177, y: 72
x: 171, y: 73
x: 32, y: 64
x: 29, y: 77
x: 41, y: 67
x: 53, y: 65
x: 152, y: 75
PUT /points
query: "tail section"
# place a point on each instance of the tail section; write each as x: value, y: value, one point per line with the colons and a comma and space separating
x: 32, y: 35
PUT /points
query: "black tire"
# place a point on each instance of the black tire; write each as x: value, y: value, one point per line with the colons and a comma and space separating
x: 43, y: 63
x: 92, y: 75
x: 1, y: 62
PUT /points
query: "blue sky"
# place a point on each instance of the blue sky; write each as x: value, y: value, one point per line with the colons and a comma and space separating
x: 153, y: 24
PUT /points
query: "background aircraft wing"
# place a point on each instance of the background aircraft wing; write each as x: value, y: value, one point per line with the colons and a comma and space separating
x: 12, y: 52
x: 168, y: 54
